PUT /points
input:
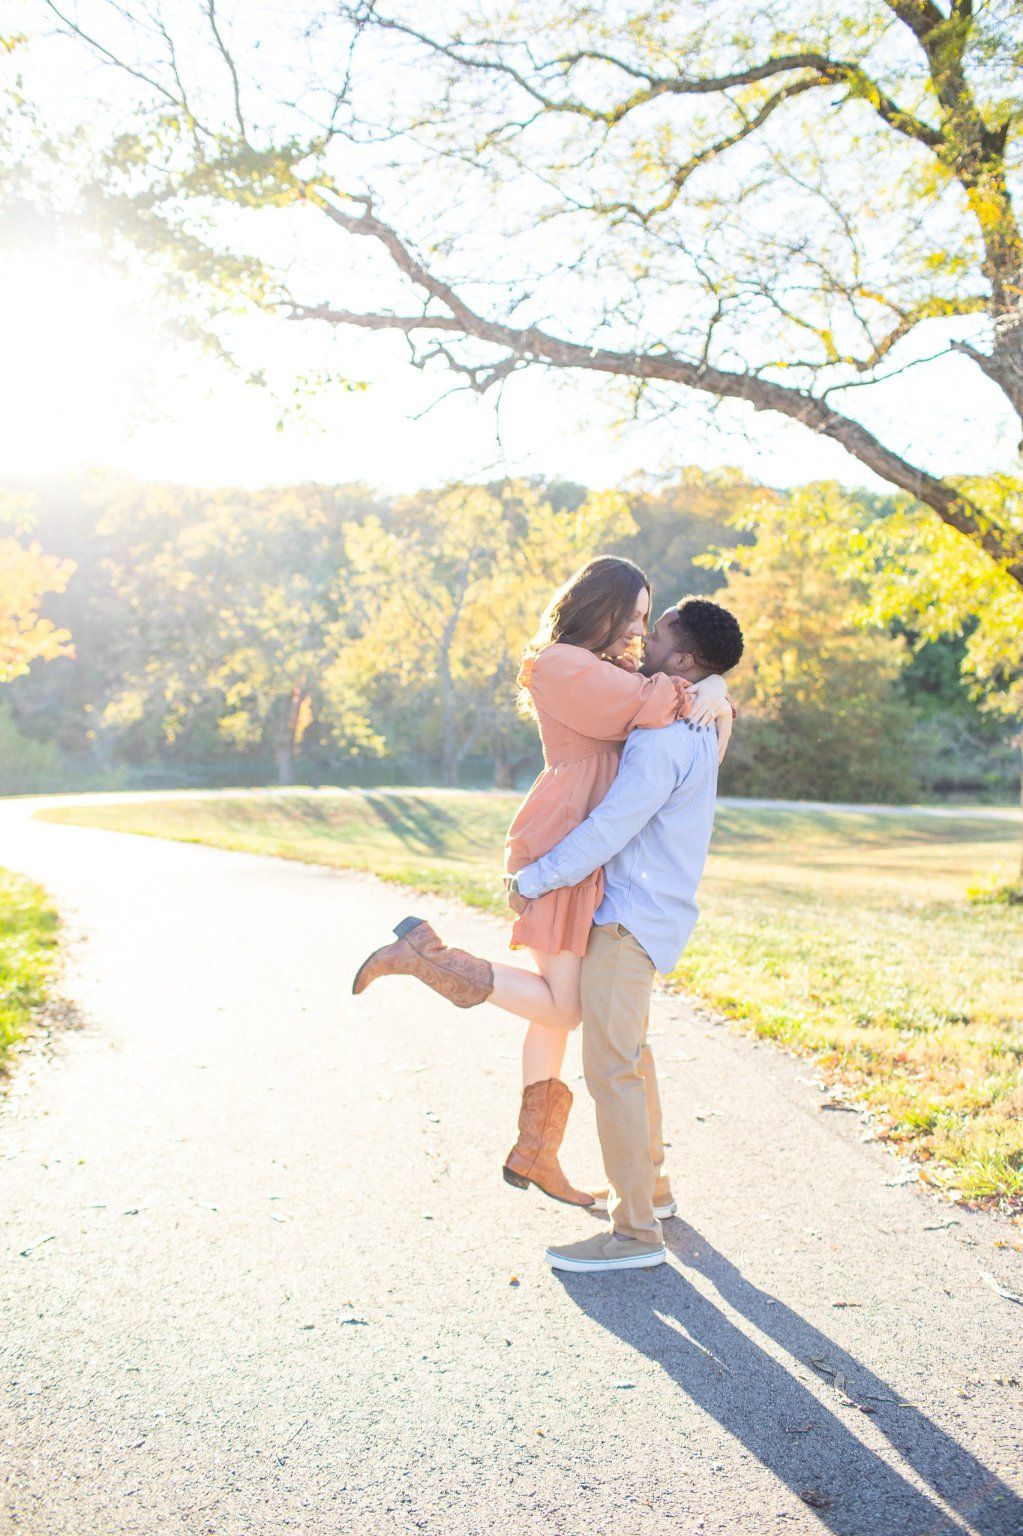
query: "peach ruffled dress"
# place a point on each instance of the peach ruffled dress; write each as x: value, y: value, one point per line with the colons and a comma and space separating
x: 585, y: 708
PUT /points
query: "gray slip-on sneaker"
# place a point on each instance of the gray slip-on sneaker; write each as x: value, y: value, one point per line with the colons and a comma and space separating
x: 605, y: 1251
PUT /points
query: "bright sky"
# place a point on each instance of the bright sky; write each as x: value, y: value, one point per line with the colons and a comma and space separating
x: 89, y: 377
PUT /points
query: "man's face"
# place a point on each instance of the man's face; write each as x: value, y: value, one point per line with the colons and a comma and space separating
x: 661, y: 652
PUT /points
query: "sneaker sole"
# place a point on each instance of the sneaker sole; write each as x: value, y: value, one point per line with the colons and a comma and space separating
x: 518, y: 1181
x: 662, y: 1212
x: 594, y: 1266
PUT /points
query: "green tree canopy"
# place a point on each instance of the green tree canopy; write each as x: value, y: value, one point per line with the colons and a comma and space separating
x: 822, y: 715
x: 441, y: 597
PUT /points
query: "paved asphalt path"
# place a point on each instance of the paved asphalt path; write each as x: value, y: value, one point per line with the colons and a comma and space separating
x: 260, y: 1273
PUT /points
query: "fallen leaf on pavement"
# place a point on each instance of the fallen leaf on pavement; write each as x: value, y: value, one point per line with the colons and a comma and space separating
x: 1000, y: 1290
x: 814, y: 1498
x: 24, y: 1252
x: 838, y: 1382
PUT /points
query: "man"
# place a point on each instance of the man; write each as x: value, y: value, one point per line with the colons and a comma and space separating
x: 651, y: 833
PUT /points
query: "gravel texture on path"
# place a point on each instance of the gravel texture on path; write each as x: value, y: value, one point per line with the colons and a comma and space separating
x: 261, y: 1273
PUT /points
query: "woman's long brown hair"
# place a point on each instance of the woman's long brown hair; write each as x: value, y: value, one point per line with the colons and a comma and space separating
x: 591, y: 610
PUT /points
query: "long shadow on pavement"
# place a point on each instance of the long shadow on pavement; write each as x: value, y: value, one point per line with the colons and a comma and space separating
x: 758, y: 1400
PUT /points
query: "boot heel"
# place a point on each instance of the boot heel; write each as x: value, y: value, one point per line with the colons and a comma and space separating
x: 406, y: 926
x: 515, y: 1179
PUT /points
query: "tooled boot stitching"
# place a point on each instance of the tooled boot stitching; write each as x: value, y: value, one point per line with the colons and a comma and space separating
x: 542, y: 1133
x: 544, y: 1129
x: 457, y: 963
x: 550, y: 1114
x: 426, y: 962
x: 533, y: 1115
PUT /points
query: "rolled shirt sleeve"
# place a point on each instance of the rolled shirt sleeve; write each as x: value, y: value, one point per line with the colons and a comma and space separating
x: 645, y: 780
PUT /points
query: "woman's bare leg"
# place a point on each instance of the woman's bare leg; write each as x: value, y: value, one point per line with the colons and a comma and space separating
x: 546, y: 1099
x: 548, y: 996
x: 544, y: 1045
x: 543, y: 1053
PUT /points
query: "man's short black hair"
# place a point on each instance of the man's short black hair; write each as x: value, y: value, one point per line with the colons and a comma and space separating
x: 709, y: 631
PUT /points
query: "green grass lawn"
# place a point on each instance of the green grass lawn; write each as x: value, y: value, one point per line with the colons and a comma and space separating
x: 28, y: 953
x: 845, y: 934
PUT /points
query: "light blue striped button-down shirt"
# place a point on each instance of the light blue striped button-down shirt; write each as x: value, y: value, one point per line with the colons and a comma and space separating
x: 651, y: 833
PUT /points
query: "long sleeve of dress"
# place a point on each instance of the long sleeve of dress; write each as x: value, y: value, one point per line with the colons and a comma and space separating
x: 599, y: 699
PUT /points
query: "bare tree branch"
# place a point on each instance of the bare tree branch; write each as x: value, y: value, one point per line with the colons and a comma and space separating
x: 710, y: 152
x: 211, y: 12
x: 109, y: 57
x: 532, y: 344
x: 825, y: 70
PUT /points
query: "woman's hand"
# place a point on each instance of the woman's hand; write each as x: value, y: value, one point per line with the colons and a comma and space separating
x: 724, y: 730
x: 709, y: 700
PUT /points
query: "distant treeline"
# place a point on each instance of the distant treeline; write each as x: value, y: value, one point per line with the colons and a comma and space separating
x: 328, y: 634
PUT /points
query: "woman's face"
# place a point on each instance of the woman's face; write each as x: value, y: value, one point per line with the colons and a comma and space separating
x: 635, y: 629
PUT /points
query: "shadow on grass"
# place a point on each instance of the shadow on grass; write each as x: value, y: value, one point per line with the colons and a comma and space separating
x: 425, y: 825
x: 762, y: 1405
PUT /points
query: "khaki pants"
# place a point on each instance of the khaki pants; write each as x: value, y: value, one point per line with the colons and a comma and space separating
x: 617, y: 980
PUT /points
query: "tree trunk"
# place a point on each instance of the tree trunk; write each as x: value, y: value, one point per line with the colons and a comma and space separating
x: 285, y: 760
x: 504, y: 772
x: 449, y: 763
x: 1019, y: 743
x: 507, y: 766
x: 288, y: 732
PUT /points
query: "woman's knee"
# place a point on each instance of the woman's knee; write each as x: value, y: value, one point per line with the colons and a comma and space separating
x: 568, y: 1017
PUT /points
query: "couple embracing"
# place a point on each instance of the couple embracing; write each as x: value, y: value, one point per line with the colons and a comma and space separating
x: 603, y: 859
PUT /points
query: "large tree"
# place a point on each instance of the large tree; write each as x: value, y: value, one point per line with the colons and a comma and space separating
x: 440, y: 596
x: 225, y: 599
x: 823, y: 714
x: 779, y: 204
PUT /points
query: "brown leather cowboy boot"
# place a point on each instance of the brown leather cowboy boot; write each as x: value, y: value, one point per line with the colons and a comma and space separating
x: 534, y: 1157
x: 462, y: 978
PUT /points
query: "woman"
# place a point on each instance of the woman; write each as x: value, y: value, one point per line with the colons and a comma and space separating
x: 579, y: 683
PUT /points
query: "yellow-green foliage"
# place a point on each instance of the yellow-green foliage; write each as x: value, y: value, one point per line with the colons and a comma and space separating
x: 27, y: 575
x: 28, y: 937
x: 924, y: 575
x: 438, y: 600
x: 848, y: 934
